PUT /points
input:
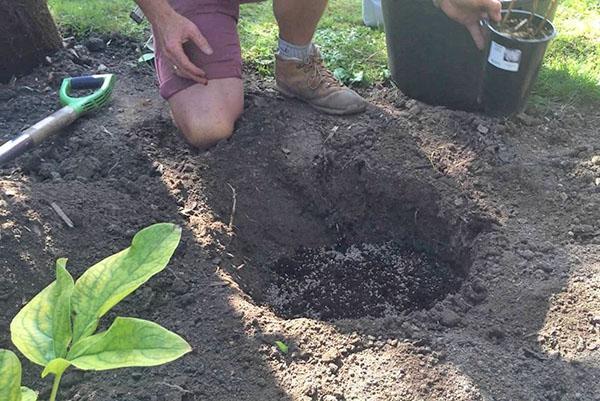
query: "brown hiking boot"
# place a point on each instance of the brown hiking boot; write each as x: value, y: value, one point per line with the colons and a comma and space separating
x: 313, y: 83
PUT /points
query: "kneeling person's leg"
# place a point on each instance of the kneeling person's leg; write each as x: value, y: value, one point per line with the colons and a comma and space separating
x: 207, y: 114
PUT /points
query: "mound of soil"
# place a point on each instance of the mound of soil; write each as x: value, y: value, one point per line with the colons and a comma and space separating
x: 358, y: 281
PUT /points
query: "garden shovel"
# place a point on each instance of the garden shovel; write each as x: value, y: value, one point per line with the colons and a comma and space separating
x: 74, y: 107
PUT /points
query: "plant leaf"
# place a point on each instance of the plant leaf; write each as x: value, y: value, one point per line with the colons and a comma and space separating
x: 283, y: 347
x: 47, y: 315
x: 128, y: 342
x: 56, y: 367
x: 61, y: 328
x: 28, y: 394
x: 10, y: 376
x: 108, y: 282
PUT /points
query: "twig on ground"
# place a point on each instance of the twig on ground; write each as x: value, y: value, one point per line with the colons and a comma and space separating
x: 62, y: 215
x: 112, y: 168
x: 176, y: 387
x: 233, y: 206
x: 107, y: 132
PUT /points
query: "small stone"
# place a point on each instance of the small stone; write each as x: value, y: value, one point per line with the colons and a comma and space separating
x: 102, y: 68
x: 483, y: 129
x: 333, y: 367
x: 526, y: 254
x: 596, y: 319
x: 329, y: 397
x: 539, y: 274
x: 330, y: 356
x: 449, y: 318
x: 414, y: 110
x: 528, y: 120
x: 157, y: 169
x: 597, y: 182
x: 95, y: 44
x: 496, y: 334
x: 596, y: 160
x: 546, y: 267
x: 582, y: 229
x: 309, y: 389
x: 286, y: 151
x: 410, y: 103
x: 459, y: 202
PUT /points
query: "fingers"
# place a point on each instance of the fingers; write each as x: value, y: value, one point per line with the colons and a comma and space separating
x: 477, y: 34
x: 493, y: 9
x: 173, y: 37
x: 183, y: 74
x: 184, y: 67
x: 200, y: 41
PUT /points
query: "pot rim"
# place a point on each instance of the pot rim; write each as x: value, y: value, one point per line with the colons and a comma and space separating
x: 547, y: 38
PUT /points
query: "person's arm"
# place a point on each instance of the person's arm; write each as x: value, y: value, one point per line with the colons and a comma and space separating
x: 470, y: 13
x: 171, y: 31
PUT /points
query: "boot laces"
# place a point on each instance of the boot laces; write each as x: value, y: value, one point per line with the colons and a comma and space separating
x: 320, y: 74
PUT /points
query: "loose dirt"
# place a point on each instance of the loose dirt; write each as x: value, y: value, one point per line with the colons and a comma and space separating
x: 468, y: 270
x: 357, y: 281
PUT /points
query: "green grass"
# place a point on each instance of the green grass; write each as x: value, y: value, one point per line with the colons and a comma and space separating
x: 356, y: 53
x: 82, y: 17
x: 571, y: 71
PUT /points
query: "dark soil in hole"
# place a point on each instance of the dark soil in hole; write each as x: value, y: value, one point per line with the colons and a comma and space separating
x: 358, y: 281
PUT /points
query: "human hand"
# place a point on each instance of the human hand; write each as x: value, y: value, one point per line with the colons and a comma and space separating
x: 470, y: 13
x: 171, y: 31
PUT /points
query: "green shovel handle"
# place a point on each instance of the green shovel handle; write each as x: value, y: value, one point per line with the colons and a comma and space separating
x: 82, y: 105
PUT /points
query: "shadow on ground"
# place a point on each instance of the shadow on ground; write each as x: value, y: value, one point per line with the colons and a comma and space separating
x: 292, y: 177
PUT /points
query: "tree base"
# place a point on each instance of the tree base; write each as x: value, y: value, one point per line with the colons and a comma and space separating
x: 27, y: 35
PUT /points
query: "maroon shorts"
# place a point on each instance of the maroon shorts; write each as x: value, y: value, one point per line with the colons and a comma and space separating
x: 217, y: 20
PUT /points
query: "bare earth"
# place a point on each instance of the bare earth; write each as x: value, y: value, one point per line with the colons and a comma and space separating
x: 507, y: 212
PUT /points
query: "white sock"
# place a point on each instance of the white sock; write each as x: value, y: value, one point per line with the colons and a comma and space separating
x: 291, y: 51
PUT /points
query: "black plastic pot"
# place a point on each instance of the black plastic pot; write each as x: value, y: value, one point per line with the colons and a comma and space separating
x: 512, y: 67
x: 432, y: 58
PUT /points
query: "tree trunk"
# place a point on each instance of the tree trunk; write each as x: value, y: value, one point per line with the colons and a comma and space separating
x: 27, y: 35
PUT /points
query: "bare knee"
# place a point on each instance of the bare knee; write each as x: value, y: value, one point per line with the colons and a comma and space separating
x: 205, y: 132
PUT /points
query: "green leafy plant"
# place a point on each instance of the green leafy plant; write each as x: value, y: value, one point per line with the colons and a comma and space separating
x: 10, y: 379
x: 56, y: 328
x: 283, y: 347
